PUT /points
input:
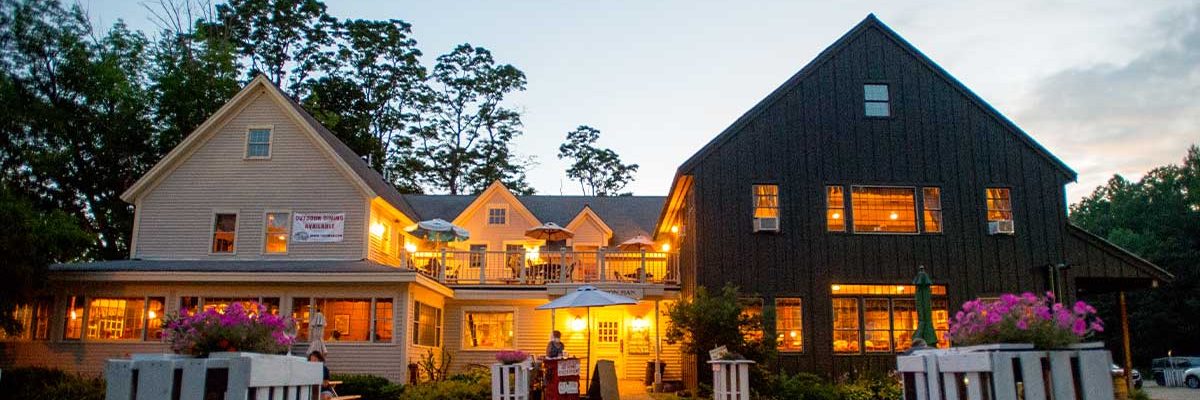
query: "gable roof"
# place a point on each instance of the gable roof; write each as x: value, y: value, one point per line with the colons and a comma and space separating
x: 870, y: 22
x: 363, y: 175
x: 627, y: 216
x: 585, y: 215
x: 493, y: 190
x: 1081, y: 237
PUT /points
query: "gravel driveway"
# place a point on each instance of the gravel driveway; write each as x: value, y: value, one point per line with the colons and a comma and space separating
x: 1173, y: 393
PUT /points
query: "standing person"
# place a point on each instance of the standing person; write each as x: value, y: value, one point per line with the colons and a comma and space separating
x: 326, y: 390
x: 555, y: 348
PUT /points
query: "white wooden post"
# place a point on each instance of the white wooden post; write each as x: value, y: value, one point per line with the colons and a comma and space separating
x: 989, y: 369
x: 562, y: 266
x: 441, y: 272
x: 482, y: 257
x: 267, y: 376
x: 510, y: 381
x: 731, y: 379
x: 600, y: 261
x: 642, y: 268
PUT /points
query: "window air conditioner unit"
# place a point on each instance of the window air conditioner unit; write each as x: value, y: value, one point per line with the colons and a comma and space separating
x: 766, y: 224
x: 1001, y: 227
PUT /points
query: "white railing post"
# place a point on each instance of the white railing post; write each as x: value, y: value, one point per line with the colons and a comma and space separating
x: 520, y: 267
x: 510, y: 381
x: 600, y: 260
x: 562, y: 266
x: 441, y: 271
x: 988, y: 370
x: 482, y: 257
x: 642, y: 268
x: 731, y: 379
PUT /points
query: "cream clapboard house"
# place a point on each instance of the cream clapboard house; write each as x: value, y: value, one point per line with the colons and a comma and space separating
x: 262, y: 203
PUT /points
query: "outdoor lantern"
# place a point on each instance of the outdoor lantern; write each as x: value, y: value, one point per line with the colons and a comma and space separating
x: 578, y: 324
x: 640, y: 324
x: 377, y: 229
x: 409, y: 247
x: 666, y: 247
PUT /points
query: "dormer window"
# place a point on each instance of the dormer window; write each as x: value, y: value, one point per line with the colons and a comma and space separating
x: 258, y: 143
x: 877, y: 100
x: 497, y: 215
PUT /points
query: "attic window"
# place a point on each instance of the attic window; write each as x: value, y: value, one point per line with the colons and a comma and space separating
x: 497, y: 216
x: 877, y: 100
x: 258, y: 143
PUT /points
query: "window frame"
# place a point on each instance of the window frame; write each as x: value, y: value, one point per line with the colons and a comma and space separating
x: 987, y: 210
x: 860, y: 303
x: 778, y: 206
x: 489, y: 309
x: 30, y: 333
x: 488, y: 214
x: 270, y: 142
x: 438, y: 325
x: 85, y: 305
x: 212, y: 232
x: 846, y: 209
x: 775, y: 324
x: 940, y: 211
x: 372, y: 317
x: 265, y: 231
x: 917, y: 211
x: 888, y: 103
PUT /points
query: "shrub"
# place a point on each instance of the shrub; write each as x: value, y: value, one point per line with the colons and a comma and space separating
x: 712, y: 319
x: 872, y: 387
x: 48, y: 384
x: 370, y: 387
x: 1024, y: 319
x: 235, y: 329
x: 466, y: 386
x: 805, y: 386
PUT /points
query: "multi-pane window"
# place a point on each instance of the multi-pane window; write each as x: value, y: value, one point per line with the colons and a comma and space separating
x: 427, y: 325
x: 789, y: 324
x: 279, y: 226
x: 999, y: 204
x: 346, y: 319
x: 752, y: 308
x: 608, y: 331
x: 766, y: 207
x: 876, y: 100
x: 835, y: 213
x: 224, y: 233
x: 34, y: 320
x: 497, y: 215
x: 487, y: 330
x: 134, y: 318
x: 882, y: 318
x: 931, y: 202
x: 258, y: 143
x: 193, y: 304
x: 478, y: 254
x: 884, y: 209
x: 73, y: 329
x: 383, y: 320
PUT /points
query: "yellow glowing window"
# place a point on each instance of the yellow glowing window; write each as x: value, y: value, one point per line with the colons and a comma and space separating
x: 845, y: 326
x: 835, y: 215
x: 884, y: 209
x: 752, y: 308
x: 931, y: 201
x: 427, y: 325
x: 488, y: 330
x: 74, y: 325
x: 224, y: 233
x: 789, y: 324
x: 34, y: 320
x: 883, y: 290
x: 116, y: 318
x: 383, y: 320
x: 889, y: 318
x: 766, y: 201
x: 877, y: 325
x: 999, y: 204
x: 278, y: 228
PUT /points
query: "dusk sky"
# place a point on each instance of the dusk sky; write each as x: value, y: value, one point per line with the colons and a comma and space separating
x: 1110, y: 87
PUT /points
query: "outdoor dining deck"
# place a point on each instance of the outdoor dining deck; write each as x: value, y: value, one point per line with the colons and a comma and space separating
x: 461, y: 267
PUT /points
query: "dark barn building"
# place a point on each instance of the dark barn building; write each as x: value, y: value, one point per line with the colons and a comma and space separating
x: 824, y: 199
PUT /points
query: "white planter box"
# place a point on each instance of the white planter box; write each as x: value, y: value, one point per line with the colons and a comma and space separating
x: 731, y: 379
x: 1008, y: 372
x: 238, y: 376
x: 511, y: 381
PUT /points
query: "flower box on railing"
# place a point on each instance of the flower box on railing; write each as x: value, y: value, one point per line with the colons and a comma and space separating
x: 233, y: 376
x: 1008, y: 372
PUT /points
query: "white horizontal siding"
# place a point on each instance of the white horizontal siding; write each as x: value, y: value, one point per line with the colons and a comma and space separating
x: 175, y: 216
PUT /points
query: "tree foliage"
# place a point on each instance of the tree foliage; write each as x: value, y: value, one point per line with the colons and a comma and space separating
x: 32, y: 240
x: 599, y: 171
x: 709, y: 320
x: 1157, y: 217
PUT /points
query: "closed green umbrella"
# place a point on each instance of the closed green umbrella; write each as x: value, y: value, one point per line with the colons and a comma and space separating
x: 924, y: 299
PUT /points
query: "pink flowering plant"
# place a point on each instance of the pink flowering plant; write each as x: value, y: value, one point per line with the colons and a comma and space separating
x: 238, y: 328
x: 511, y: 356
x: 1027, y: 318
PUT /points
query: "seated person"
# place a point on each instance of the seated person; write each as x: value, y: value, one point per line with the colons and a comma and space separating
x: 326, y: 390
x: 555, y: 348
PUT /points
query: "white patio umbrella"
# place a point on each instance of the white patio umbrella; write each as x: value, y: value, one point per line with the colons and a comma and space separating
x: 438, y: 230
x: 639, y: 242
x: 316, y: 333
x: 549, y: 232
x: 586, y: 297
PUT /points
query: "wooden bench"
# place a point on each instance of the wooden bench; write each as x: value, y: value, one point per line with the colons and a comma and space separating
x: 333, y: 387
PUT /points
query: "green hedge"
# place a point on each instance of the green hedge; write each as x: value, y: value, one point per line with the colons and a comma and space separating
x: 370, y: 387
x: 33, y: 383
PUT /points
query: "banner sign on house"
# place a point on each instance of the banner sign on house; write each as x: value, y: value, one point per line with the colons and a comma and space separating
x: 318, y: 227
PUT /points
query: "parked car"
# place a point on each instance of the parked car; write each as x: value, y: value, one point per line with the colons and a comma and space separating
x: 1137, y: 375
x: 1190, y: 365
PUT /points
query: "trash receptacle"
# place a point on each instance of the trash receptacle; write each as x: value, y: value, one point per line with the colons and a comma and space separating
x: 662, y: 370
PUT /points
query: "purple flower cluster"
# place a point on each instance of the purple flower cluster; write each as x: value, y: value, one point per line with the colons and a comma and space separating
x: 1026, y: 318
x: 236, y: 328
x: 511, y: 356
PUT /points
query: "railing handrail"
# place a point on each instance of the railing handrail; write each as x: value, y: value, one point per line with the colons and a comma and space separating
x: 471, y: 267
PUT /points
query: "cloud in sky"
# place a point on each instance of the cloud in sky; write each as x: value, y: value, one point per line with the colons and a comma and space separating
x: 1124, y: 118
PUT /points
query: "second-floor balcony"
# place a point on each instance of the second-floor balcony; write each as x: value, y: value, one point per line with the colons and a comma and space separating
x: 462, y: 267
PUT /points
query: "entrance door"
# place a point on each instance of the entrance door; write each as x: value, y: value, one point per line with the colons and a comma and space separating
x: 608, y: 341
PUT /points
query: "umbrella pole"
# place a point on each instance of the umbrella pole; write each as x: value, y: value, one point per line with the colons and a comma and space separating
x: 587, y: 376
x: 657, y: 351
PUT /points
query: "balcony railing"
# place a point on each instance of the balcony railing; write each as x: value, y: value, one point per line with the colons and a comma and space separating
x: 461, y: 267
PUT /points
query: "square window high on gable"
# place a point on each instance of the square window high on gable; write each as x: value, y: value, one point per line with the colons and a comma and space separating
x: 877, y: 100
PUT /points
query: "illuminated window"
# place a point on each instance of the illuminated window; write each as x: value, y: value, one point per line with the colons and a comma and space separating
x: 766, y: 201
x: 904, y: 322
x: 74, y: 325
x: 999, y: 204
x: 224, y: 233
x: 220, y: 304
x: 877, y: 100
x: 789, y: 324
x: 884, y: 209
x: 258, y: 143
x: 487, y: 330
x: 497, y: 215
x: 278, y: 228
x: 835, y: 214
x: 427, y: 325
x: 877, y: 325
x: 116, y: 318
x: 752, y: 309
x: 34, y: 320
x: 383, y: 320
x: 845, y: 326
x: 931, y: 201
x: 608, y: 331
x: 884, y: 290
x: 155, y: 312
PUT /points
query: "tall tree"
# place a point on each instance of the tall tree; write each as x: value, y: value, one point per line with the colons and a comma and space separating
x: 288, y: 41
x: 77, y: 129
x: 1157, y: 217
x: 599, y: 171
x: 464, y: 130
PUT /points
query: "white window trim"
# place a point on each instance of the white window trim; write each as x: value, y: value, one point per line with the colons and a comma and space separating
x: 488, y: 215
x: 371, y: 333
x: 270, y: 142
x: 212, y: 230
x: 440, y: 326
x: 462, y: 321
x: 263, y: 248
x: 919, y: 212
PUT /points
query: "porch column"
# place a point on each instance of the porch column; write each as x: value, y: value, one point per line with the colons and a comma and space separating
x: 1128, y: 363
x: 657, y: 350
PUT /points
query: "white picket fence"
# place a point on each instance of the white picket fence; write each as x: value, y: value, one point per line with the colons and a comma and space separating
x: 1009, y: 372
x: 237, y: 376
x: 511, y: 381
x: 731, y: 379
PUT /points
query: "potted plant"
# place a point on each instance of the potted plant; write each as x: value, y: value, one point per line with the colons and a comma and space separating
x: 509, y: 357
x: 1025, y: 318
x: 236, y: 329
